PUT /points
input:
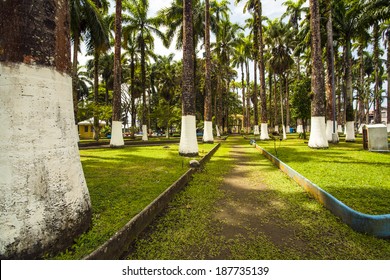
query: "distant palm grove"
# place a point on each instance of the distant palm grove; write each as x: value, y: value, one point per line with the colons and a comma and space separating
x: 323, y: 67
x: 255, y: 74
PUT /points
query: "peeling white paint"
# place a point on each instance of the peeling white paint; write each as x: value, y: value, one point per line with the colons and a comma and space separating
x: 188, y: 142
x: 41, y: 178
x: 318, y: 133
x: 208, y: 132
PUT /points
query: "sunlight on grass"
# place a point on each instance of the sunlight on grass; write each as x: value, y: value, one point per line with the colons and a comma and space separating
x: 121, y: 183
x: 359, y: 178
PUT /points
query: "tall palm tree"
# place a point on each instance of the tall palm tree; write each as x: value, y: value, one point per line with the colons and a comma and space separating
x: 256, y: 7
x: 318, y: 132
x: 347, y: 23
x: 143, y: 26
x: 116, y: 132
x: 331, y: 123
x: 86, y: 22
x: 188, y: 143
x: 45, y: 204
x: 208, y: 124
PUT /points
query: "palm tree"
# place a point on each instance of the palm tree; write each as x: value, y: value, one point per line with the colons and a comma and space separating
x: 45, y: 204
x: 143, y: 27
x: 116, y: 133
x: 86, y: 22
x: 318, y: 132
x: 256, y: 7
x: 347, y: 23
x: 331, y: 123
x: 188, y: 142
x: 208, y: 124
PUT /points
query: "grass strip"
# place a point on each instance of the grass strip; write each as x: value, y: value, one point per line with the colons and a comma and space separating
x: 358, y: 178
x: 121, y: 183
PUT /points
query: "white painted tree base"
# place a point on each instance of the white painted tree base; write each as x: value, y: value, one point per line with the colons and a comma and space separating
x: 144, y: 132
x: 188, y: 142
x: 208, y: 136
x: 299, y: 128
x: 329, y: 130
x: 116, y: 135
x: 388, y: 128
x: 44, y: 196
x: 350, y: 132
x: 284, y: 132
x: 288, y: 129
x: 256, y: 130
x: 264, y: 131
x: 276, y: 128
x: 217, y: 129
x: 318, y: 133
x: 340, y: 128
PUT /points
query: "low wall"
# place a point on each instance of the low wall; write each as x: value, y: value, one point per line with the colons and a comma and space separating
x: 376, y: 225
x: 118, y: 244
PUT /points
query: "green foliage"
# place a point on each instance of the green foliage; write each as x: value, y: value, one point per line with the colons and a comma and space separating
x: 300, y: 99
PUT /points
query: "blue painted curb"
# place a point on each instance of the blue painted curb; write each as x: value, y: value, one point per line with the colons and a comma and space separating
x: 376, y: 225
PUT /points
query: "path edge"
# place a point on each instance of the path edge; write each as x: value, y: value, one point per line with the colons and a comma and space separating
x: 376, y: 225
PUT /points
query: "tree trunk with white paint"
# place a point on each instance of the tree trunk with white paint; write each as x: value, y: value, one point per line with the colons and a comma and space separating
x: 208, y: 136
x: 318, y: 134
x: 188, y: 143
x: 116, y: 129
x: 45, y: 202
x: 264, y: 132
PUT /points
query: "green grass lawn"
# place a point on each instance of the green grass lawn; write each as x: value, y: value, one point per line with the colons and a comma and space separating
x: 358, y: 178
x: 121, y: 183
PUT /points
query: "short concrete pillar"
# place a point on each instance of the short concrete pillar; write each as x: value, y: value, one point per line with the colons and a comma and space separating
x: 377, y: 137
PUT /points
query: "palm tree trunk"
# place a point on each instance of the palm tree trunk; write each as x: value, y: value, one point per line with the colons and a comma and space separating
x: 254, y: 100
x: 318, y: 132
x: 45, y: 200
x: 331, y: 125
x: 263, y: 97
x: 388, y: 79
x: 377, y: 94
x: 188, y: 143
x: 74, y: 74
x: 243, y: 98
x: 208, y: 124
x: 248, y: 101
x: 116, y: 131
x: 96, y: 127
x: 349, y: 116
x: 143, y: 82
